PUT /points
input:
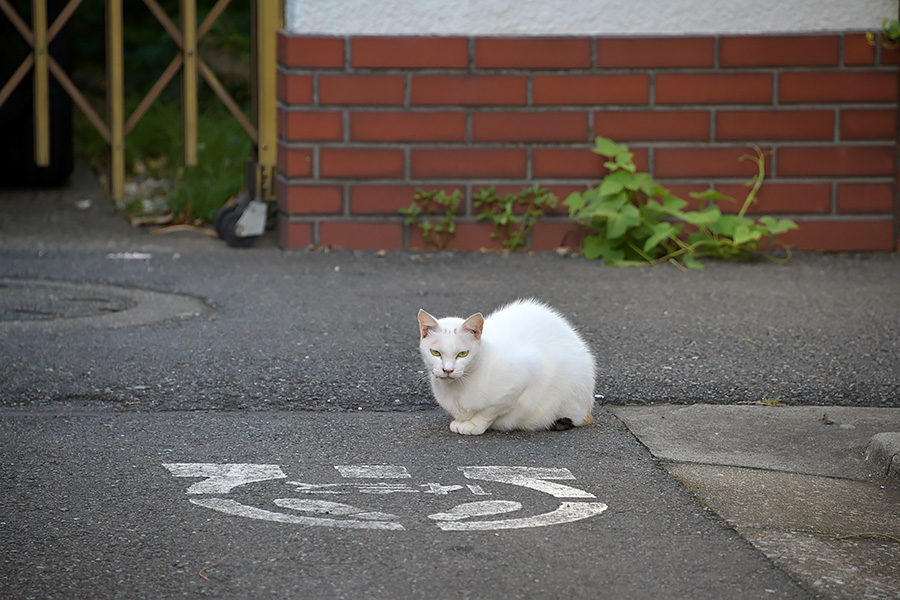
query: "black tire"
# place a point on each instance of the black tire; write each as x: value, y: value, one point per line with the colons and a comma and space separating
x: 220, y: 216
x: 229, y: 222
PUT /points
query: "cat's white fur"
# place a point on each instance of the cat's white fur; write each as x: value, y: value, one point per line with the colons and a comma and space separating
x: 523, y: 367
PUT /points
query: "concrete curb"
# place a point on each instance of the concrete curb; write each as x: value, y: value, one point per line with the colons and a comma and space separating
x: 883, y: 451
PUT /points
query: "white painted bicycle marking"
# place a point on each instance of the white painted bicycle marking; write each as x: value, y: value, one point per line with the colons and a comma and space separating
x: 529, y: 477
x: 221, y: 479
x: 440, y: 490
x: 332, y: 508
x: 566, y: 513
x: 232, y: 507
x: 476, y: 509
x: 373, y: 471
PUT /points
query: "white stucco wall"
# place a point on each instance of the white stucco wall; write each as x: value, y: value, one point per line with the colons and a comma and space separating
x: 582, y: 17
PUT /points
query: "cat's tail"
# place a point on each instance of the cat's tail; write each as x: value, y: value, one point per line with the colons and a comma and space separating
x: 567, y: 423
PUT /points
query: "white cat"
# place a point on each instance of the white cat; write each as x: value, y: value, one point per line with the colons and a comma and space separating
x: 524, y: 367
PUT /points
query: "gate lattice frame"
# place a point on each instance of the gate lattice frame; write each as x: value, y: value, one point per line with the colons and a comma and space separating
x: 268, y: 17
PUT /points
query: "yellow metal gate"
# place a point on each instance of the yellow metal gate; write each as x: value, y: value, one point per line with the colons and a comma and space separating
x: 268, y: 19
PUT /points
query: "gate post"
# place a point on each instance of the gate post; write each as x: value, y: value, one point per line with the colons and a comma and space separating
x: 115, y: 97
x: 189, y: 81
x: 41, y: 84
x: 265, y: 39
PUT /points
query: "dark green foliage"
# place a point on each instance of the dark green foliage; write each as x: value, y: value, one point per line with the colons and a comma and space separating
x: 512, y: 227
x: 435, y: 213
x: 633, y: 220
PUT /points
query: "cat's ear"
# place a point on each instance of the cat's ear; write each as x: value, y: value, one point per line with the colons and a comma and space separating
x: 426, y: 323
x: 474, y: 325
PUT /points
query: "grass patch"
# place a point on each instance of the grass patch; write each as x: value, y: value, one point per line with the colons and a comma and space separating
x: 159, y: 183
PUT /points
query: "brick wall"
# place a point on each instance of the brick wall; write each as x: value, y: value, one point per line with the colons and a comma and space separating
x: 363, y: 121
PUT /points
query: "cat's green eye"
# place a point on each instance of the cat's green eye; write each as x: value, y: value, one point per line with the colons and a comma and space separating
x: 435, y: 352
x: 463, y: 354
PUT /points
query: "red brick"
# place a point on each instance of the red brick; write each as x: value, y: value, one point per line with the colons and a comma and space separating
x: 713, y: 88
x: 890, y: 57
x: 632, y: 88
x: 834, y: 86
x: 312, y: 125
x: 779, y: 198
x: 474, y: 163
x: 865, y: 197
x: 468, y: 237
x: 651, y: 125
x: 575, y: 163
x: 560, y: 191
x: 361, y: 163
x: 868, y: 124
x: 469, y: 90
x: 293, y: 235
x: 681, y: 163
x: 530, y: 127
x: 315, y: 52
x: 775, y: 125
x: 295, y: 162
x: 836, y: 161
x: 409, y: 52
x: 381, y: 199
x: 779, y: 51
x: 378, y: 126
x: 842, y: 236
x: 532, y: 53
x: 650, y: 53
x: 360, y: 235
x: 294, y: 89
x: 548, y: 235
x: 564, y: 163
x: 376, y: 90
x: 857, y: 50
x: 312, y: 200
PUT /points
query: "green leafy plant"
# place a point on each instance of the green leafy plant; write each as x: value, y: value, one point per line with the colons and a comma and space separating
x: 513, y: 227
x: 636, y: 221
x: 890, y: 33
x: 434, y: 212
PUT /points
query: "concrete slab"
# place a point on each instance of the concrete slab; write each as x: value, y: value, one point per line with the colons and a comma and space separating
x: 883, y: 452
x: 769, y: 500
x: 830, y: 568
x: 791, y: 483
x: 840, y: 538
x: 828, y: 441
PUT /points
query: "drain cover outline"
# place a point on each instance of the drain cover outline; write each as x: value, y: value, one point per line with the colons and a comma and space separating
x: 319, y: 508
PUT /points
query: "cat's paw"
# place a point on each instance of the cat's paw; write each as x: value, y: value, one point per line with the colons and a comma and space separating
x: 467, y: 428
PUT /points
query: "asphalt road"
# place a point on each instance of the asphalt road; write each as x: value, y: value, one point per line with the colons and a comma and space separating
x: 135, y: 367
x: 91, y: 511
x: 337, y: 330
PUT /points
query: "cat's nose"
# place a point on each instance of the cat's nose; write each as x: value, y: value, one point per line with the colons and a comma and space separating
x: 447, y: 371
